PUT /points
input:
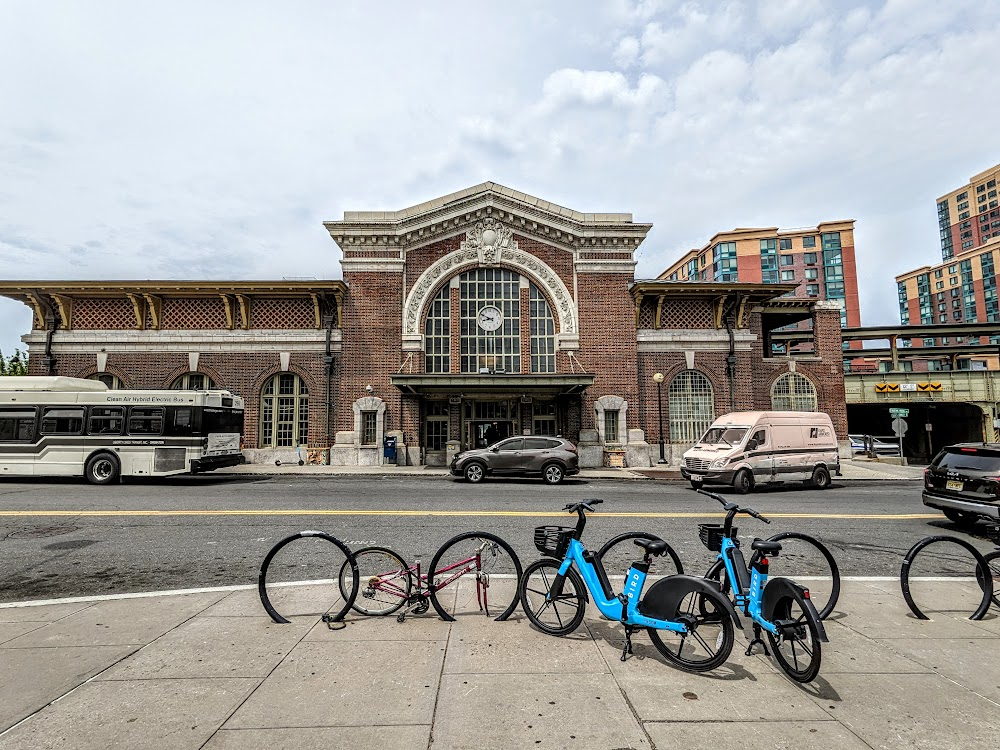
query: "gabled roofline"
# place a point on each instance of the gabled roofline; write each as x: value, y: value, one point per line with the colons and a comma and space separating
x: 452, y: 214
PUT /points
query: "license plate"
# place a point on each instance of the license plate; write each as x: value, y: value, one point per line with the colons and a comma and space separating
x: 953, y: 485
x: 696, y: 477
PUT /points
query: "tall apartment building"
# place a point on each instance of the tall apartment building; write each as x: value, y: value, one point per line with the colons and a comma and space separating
x: 819, y: 259
x: 969, y: 216
x: 962, y: 289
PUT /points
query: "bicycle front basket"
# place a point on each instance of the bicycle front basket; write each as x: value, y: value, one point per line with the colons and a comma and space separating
x: 553, y: 540
x: 711, y: 535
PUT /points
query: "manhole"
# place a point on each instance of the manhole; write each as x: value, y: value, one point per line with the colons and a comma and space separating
x: 38, y: 532
x: 71, y: 544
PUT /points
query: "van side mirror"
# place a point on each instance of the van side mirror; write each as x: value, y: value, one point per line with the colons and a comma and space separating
x: 752, y: 444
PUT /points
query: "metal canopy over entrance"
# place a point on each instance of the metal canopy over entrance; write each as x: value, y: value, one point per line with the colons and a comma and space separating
x: 492, y: 386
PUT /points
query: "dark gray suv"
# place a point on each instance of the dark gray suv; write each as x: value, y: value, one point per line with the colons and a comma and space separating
x: 963, y: 482
x: 549, y: 457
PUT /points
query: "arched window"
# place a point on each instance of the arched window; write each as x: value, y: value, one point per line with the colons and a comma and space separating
x: 488, y: 321
x: 437, y: 333
x: 284, y: 412
x: 111, y: 381
x: 193, y: 381
x: 690, y: 405
x: 793, y: 392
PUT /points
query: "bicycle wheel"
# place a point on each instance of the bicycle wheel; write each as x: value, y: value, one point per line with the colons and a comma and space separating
x: 993, y: 566
x: 709, y: 639
x: 475, y: 573
x: 796, y: 647
x: 806, y: 559
x: 299, y: 577
x: 557, y: 615
x: 945, y: 575
x: 619, y: 552
x: 385, y: 581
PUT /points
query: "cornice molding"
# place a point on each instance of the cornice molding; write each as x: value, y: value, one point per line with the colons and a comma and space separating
x: 449, y: 216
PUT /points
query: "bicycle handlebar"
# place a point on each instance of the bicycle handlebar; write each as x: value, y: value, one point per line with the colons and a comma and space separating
x: 733, y: 507
x: 584, y: 505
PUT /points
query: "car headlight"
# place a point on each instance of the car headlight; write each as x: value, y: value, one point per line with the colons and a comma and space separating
x: 719, y: 463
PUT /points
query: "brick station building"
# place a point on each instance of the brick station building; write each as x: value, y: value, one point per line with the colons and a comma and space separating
x: 480, y: 307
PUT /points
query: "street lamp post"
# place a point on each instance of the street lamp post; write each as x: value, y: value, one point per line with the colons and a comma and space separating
x: 658, y: 379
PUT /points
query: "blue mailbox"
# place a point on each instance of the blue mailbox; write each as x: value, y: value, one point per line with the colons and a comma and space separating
x: 389, y: 450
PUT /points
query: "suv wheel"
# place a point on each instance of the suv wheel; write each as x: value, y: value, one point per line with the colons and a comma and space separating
x: 474, y: 472
x: 552, y: 473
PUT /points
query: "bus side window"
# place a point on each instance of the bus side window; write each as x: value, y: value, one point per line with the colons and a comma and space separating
x: 62, y: 421
x: 106, y: 420
x: 145, y: 420
x: 17, y: 425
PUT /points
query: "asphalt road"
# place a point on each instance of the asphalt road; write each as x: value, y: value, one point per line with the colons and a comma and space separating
x: 67, y: 538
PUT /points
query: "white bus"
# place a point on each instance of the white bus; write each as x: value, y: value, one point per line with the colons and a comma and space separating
x: 55, y: 426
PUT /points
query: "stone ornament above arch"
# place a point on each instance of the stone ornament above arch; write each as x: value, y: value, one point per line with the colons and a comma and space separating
x: 611, y: 403
x: 489, y: 243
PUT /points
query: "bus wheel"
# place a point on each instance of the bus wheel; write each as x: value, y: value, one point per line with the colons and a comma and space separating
x: 102, y: 469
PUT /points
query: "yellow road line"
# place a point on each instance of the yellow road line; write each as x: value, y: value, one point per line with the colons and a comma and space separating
x: 459, y: 513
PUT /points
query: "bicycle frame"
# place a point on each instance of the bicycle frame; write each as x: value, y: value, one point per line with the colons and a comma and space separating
x: 385, y: 584
x: 613, y: 608
x: 749, y: 598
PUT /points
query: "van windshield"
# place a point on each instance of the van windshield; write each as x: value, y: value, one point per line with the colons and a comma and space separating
x: 723, y: 436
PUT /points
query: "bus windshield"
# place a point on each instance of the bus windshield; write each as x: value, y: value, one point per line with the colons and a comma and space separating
x: 723, y: 436
x: 222, y: 420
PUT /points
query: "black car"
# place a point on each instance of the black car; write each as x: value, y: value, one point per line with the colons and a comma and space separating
x: 551, y: 458
x: 963, y: 482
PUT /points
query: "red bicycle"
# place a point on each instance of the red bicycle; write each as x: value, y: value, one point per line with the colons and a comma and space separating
x: 388, y: 584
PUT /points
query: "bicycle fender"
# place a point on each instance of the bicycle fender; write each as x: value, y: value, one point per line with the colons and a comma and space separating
x: 664, y: 597
x: 776, y: 588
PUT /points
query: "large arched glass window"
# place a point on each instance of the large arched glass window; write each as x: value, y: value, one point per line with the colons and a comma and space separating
x: 690, y: 405
x: 490, y: 319
x: 284, y: 412
x: 193, y: 381
x: 437, y: 333
x: 793, y: 392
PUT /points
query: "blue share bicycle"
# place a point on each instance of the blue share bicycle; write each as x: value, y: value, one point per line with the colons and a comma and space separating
x: 689, y: 620
x: 779, y: 607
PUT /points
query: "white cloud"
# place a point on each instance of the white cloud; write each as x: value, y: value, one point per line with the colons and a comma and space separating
x: 626, y: 54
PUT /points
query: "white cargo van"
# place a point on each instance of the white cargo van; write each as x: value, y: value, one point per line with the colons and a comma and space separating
x: 748, y: 448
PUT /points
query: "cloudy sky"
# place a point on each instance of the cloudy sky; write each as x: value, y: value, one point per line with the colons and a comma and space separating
x: 193, y: 140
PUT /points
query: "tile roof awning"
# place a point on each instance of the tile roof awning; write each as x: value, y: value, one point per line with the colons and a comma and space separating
x: 497, y: 385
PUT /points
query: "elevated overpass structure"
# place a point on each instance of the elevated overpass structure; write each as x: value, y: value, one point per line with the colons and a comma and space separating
x: 953, y: 403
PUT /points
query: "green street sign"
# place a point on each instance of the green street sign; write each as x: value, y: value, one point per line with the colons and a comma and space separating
x: 899, y: 413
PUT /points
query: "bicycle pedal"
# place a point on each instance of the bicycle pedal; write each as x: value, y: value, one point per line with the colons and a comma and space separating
x: 401, y: 617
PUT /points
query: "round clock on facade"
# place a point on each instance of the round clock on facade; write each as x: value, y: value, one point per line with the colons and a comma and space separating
x: 490, y: 318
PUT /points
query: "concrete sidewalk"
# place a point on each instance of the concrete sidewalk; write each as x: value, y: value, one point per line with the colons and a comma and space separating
x: 209, y: 670
x: 851, y: 470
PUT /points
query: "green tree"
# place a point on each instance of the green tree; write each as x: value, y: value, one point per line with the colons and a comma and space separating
x: 15, y: 364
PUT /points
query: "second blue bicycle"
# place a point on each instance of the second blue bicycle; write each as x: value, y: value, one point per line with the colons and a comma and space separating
x: 688, y: 619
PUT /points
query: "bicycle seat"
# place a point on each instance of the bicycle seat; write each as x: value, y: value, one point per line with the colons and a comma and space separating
x: 653, y: 547
x: 766, y: 548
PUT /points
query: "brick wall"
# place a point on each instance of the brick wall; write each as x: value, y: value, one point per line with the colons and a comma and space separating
x: 372, y: 345
x: 609, y: 353
x: 243, y: 373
